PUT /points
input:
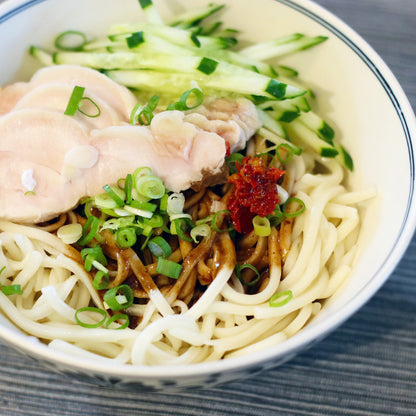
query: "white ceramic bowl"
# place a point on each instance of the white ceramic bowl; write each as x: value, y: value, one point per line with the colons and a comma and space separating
x: 356, y: 92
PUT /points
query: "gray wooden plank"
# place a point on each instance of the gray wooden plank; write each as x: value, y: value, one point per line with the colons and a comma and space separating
x: 366, y: 367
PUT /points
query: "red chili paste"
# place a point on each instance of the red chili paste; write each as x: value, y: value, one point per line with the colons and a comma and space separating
x: 255, y: 192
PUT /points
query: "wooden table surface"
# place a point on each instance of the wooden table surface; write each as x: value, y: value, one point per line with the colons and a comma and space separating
x: 366, y: 367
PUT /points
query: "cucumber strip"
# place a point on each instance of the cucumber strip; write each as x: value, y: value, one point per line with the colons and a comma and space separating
x: 41, y: 55
x: 100, y: 44
x: 174, y: 35
x: 151, y: 44
x: 208, y: 30
x: 270, y: 123
x: 297, y: 104
x: 240, y: 82
x: 282, y: 46
x: 283, y: 115
x: 344, y: 157
x: 194, y: 17
x: 150, y: 12
x: 277, y: 139
x: 287, y: 71
x: 319, y: 126
x: 304, y: 137
x: 259, y: 50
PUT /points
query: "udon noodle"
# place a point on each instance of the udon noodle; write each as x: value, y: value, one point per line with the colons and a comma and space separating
x: 208, y: 313
x: 236, y: 293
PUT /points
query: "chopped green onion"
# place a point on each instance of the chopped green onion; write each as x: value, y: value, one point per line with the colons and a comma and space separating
x: 11, y: 290
x: 277, y: 217
x: 101, y: 280
x: 261, y: 226
x: 143, y: 171
x: 292, y: 150
x: 71, y: 40
x: 179, y: 227
x: 93, y: 254
x: 163, y: 204
x: 2, y: 269
x: 97, y: 114
x: 74, y: 100
x: 238, y: 270
x: 300, y: 211
x: 126, y: 237
x: 155, y: 222
x: 159, y: 247
x: 197, y: 95
x: 90, y: 309
x: 89, y: 230
x: 117, y: 195
x: 207, y: 66
x: 168, y: 268
x: 287, y: 295
x: 116, y: 317
x: 143, y: 114
x: 202, y: 230
x: 135, y: 39
x: 143, y: 205
x: 182, y: 104
x: 175, y: 204
x: 118, y: 298
x: 128, y: 186
x: 150, y: 186
x: 214, y: 222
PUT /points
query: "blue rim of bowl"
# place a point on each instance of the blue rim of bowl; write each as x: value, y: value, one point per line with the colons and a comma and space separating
x: 321, y: 16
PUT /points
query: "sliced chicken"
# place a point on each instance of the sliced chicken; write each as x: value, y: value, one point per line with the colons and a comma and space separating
x: 11, y: 94
x: 52, y: 160
x: 115, y: 95
x: 55, y: 97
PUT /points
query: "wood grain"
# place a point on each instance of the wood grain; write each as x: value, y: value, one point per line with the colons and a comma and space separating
x: 367, y: 367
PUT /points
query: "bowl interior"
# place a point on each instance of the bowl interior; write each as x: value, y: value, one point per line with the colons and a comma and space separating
x: 355, y: 92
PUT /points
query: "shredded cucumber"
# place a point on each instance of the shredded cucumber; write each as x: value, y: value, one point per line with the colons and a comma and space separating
x: 154, y: 57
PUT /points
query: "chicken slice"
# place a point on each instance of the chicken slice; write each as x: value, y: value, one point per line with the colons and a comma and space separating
x: 115, y: 95
x: 55, y: 97
x: 11, y: 94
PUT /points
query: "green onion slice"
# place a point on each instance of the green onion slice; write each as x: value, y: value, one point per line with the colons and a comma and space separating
x: 197, y: 97
x: 74, y: 101
x: 101, y: 280
x: 97, y: 114
x: 89, y: 230
x: 159, y: 247
x: 300, y: 211
x: 277, y: 217
x: 116, y: 317
x: 115, y: 194
x: 93, y: 254
x: 11, y: 290
x: 261, y: 226
x: 287, y: 295
x: 201, y: 230
x: 168, y: 268
x: 118, y: 298
x: 291, y: 151
x: 126, y: 237
x: 179, y: 227
x: 150, y: 186
x: 238, y: 271
x: 128, y: 186
x: 90, y: 309
x: 70, y: 40
x: 214, y: 222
